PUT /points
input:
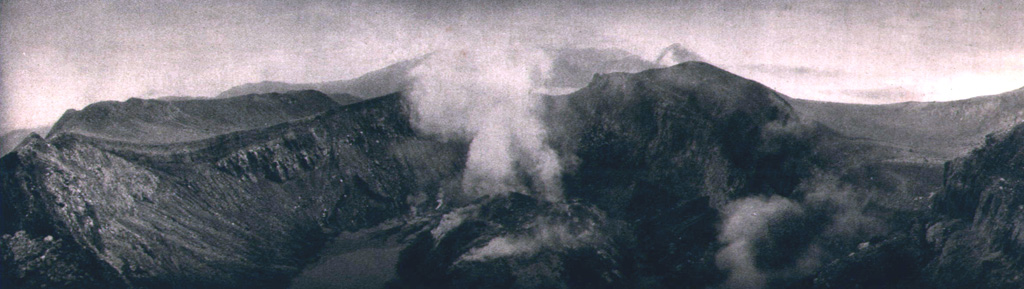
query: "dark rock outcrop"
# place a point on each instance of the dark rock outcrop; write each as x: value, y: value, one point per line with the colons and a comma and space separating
x: 979, y: 236
x: 11, y: 139
x: 651, y: 156
x: 518, y: 241
x: 234, y: 211
x: 654, y: 154
x: 686, y: 131
x: 895, y: 262
x: 664, y: 148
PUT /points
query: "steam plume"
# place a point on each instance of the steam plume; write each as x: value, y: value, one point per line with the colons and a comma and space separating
x: 545, y: 234
x: 747, y: 221
x: 489, y: 96
x: 773, y: 238
x: 678, y: 54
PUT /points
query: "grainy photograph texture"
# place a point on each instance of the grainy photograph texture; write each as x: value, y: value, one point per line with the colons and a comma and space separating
x: 512, y: 144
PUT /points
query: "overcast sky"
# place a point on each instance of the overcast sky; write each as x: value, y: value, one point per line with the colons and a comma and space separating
x: 57, y: 55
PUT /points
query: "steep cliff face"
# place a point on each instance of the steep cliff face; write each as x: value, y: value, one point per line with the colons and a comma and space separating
x: 981, y: 239
x: 162, y: 121
x: 237, y: 210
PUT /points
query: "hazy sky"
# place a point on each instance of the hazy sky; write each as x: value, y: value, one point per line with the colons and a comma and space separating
x: 57, y: 55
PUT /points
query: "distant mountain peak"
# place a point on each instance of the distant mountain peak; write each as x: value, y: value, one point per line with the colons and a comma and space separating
x: 389, y: 79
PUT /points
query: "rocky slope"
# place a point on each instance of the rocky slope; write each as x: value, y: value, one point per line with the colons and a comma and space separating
x: 691, y: 129
x: 901, y: 148
x: 11, y: 139
x: 663, y: 156
x: 517, y: 241
x: 653, y: 156
x: 236, y: 210
x: 969, y: 237
x: 979, y: 235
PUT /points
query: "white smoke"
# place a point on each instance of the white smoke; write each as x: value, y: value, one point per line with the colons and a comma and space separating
x: 489, y: 95
x: 676, y: 54
x: 545, y: 233
x: 747, y: 221
x: 830, y: 214
x: 846, y: 206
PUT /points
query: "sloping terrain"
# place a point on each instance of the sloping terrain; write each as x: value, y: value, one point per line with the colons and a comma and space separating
x: 159, y: 121
x: 517, y: 241
x: 902, y: 147
x: 234, y: 211
x: 659, y: 160
x: 938, y: 130
x: 654, y: 154
x: 979, y: 236
x: 969, y: 238
x: 390, y: 79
